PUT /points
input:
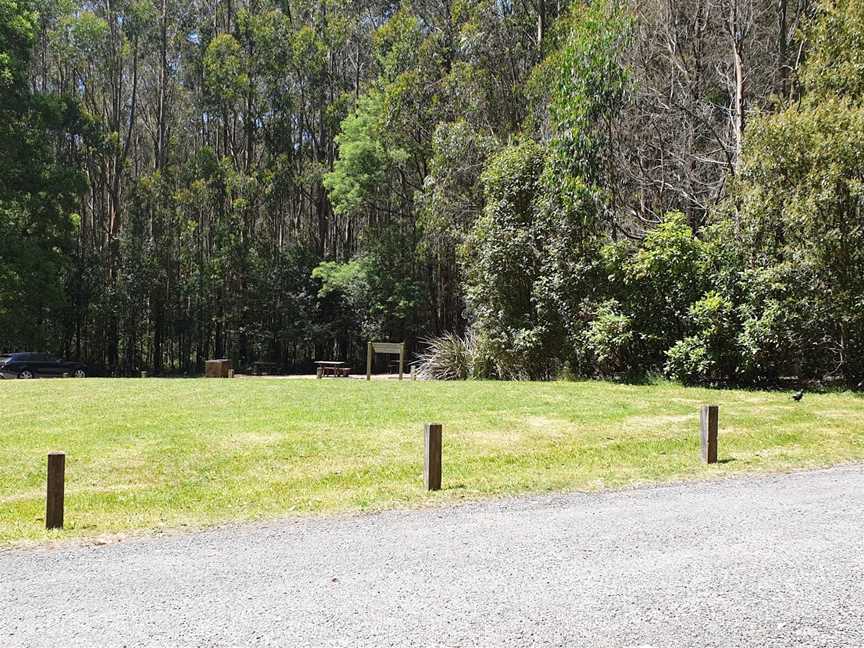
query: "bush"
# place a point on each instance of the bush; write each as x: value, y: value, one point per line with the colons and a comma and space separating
x: 520, y: 354
x: 689, y: 361
x: 608, y: 341
x: 451, y: 357
x: 711, y: 354
x: 448, y: 357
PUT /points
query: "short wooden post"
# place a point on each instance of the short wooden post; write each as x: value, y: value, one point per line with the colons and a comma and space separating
x: 708, y: 417
x: 65, y: 375
x: 230, y: 373
x: 143, y: 374
x: 413, y: 372
x: 54, y: 498
x: 369, y: 361
x: 432, y: 460
x: 401, y: 360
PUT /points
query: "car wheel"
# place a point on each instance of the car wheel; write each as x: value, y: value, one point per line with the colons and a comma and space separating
x: 80, y: 373
x: 26, y: 374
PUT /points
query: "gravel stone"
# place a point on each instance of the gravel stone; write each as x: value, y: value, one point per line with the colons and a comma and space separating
x: 757, y: 561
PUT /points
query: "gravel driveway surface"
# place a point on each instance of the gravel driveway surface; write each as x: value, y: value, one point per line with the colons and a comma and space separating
x: 766, y: 561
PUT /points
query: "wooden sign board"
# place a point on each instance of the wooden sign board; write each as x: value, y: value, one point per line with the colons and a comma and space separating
x: 394, y: 348
x: 388, y: 347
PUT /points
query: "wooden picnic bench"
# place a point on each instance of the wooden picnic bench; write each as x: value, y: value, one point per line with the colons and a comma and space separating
x: 264, y: 368
x: 333, y: 368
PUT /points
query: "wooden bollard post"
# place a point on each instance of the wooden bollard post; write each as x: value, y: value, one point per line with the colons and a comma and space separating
x: 230, y: 373
x: 432, y: 460
x: 143, y: 374
x: 708, y: 428
x: 54, y: 499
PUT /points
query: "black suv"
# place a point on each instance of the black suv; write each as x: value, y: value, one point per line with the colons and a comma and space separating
x: 38, y: 365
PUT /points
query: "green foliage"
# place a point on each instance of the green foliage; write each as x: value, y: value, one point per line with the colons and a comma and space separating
x: 347, y: 278
x: 453, y: 191
x: 609, y: 340
x: 396, y: 44
x: 667, y: 273
x: 504, y: 258
x: 79, y: 38
x: 266, y: 180
x: 368, y: 301
x: 801, y: 198
x: 535, y: 271
x: 586, y: 82
x: 710, y: 353
x: 776, y: 325
x: 38, y: 192
x: 834, y: 66
x: 225, y: 69
x: 17, y: 31
x: 689, y: 361
x: 363, y: 159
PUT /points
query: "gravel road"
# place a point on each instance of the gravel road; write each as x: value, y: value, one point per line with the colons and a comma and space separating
x: 767, y: 561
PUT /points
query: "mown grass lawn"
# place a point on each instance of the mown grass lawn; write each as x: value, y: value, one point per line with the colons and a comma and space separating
x: 150, y: 454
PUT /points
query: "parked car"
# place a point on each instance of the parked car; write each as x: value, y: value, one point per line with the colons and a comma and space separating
x: 38, y: 365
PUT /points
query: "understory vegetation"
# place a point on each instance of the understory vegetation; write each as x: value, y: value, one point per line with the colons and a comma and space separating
x: 524, y: 190
x: 145, y: 455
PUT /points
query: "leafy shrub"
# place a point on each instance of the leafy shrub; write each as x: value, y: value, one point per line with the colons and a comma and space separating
x: 661, y: 280
x: 502, y: 266
x: 689, y: 360
x: 520, y: 354
x: 609, y: 339
x: 711, y: 354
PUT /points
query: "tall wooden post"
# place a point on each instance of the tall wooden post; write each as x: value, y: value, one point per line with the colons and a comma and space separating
x: 401, y: 360
x: 708, y: 418
x: 369, y: 351
x: 432, y: 459
x: 54, y: 498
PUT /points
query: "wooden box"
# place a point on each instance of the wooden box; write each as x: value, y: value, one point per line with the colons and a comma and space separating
x: 218, y: 368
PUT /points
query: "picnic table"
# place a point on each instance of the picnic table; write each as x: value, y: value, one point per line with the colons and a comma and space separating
x: 264, y: 368
x: 333, y: 368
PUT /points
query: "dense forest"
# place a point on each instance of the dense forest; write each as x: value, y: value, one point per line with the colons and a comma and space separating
x: 521, y: 189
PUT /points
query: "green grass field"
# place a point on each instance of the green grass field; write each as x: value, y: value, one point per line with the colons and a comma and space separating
x: 152, y: 454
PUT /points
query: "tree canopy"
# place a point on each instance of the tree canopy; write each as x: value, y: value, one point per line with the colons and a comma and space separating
x: 591, y: 189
